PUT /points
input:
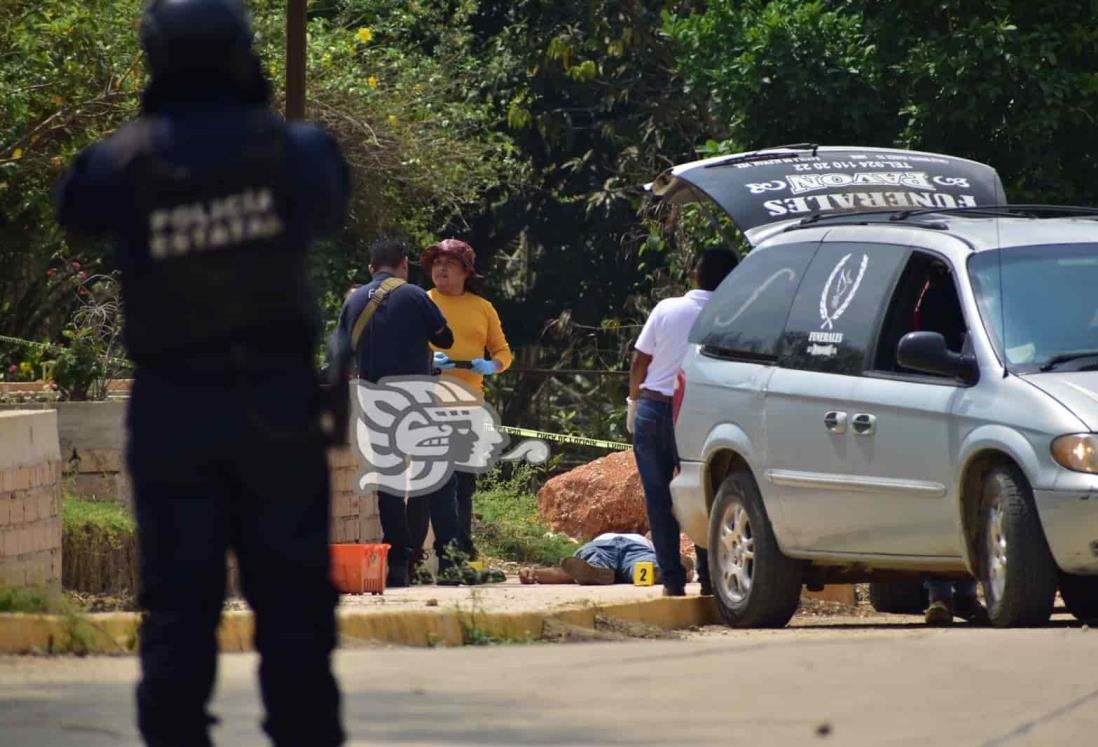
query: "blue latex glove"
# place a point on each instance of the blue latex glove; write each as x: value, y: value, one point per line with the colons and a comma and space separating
x: 442, y: 361
x: 483, y: 366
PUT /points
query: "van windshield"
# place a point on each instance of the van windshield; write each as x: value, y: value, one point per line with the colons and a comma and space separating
x: 1040, y: 305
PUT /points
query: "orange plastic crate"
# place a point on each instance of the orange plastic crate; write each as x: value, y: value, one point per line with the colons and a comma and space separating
x: 359, y: 569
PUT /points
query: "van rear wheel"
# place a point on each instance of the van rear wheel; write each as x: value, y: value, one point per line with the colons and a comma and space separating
x: 1017, y: 570
x: 754, y: 584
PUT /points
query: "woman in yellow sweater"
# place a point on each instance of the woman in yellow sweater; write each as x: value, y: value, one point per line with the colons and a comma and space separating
x: 478, y: 338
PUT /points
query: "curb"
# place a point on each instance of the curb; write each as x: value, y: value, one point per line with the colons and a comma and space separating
x: 117, y: 632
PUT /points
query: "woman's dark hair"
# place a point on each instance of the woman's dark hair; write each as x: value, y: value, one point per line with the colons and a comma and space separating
x: 713, y: 266
x: 474, y: 285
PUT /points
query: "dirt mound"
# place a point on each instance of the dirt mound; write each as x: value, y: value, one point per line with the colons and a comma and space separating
x: 603, y: 496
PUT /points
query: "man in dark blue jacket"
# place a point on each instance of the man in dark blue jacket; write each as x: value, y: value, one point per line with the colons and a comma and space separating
x: 212, y: 201
x: 394, y: 343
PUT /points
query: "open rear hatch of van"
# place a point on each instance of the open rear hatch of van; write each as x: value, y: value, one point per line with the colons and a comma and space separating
x: 763, y: 189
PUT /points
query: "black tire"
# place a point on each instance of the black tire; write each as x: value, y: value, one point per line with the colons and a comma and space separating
x: 898, y: 597
x: 1019, y: 576
x: 773, y: 582
x: 1080, y: 594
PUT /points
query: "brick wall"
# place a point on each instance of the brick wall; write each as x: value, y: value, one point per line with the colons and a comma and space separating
x: 92, y: 439
x: 30, y: 499
x: 354, y: 517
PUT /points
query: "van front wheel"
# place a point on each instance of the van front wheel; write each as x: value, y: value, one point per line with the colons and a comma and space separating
x: 1018, y: 574
x: 754, y: 584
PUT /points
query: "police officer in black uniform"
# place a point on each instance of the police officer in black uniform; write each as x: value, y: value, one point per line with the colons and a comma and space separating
x: 212, y: 201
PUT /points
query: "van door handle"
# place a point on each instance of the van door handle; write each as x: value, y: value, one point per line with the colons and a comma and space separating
x: 835, y: 422
x: 864, y: 424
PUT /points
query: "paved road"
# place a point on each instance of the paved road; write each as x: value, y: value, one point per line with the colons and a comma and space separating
x: 831, y: 681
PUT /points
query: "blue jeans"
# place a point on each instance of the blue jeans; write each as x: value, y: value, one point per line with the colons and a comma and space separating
x: 946, y: 591
x: 657, y: 459
x: 620, y: 554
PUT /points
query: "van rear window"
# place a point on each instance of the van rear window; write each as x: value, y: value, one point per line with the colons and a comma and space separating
x: 747, y: 313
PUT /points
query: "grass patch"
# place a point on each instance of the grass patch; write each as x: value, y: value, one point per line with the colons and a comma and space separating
x: 32, y: 599
x: 107, y: 518
x: 507, y: 525
x: 98, y: 547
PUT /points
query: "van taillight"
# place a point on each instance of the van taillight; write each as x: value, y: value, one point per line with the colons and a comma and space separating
x: 676, y: 399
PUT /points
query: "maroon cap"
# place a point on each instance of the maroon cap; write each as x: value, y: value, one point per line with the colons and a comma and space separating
x: 455, y: 248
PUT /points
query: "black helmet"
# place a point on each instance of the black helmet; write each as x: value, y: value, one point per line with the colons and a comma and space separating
x: 181, y: 37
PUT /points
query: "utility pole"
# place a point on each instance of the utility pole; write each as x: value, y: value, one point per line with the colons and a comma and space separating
x: 295, y: 59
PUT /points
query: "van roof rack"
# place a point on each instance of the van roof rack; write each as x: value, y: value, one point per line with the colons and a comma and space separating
x: 998, y: 211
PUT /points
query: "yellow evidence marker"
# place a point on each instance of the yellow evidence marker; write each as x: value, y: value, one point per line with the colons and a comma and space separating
x: 644, y: 573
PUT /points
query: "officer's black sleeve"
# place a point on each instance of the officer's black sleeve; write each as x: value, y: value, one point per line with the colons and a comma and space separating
x: 326, y: 179
x: 434, y: 323
x: 87, y: 197
x: 444, y: 338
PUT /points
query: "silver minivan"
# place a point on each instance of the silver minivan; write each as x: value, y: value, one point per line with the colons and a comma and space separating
x: 899, y: 381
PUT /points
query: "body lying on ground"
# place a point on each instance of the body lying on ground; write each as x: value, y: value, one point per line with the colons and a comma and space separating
x: 608, y: 559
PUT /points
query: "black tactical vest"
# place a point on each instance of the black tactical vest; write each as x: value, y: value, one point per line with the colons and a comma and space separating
x: 214, y: 271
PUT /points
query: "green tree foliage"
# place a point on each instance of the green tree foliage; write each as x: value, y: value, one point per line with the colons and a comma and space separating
x: 69, y: 72
x: 395, y: 81
x: 589, y: 94
x: 1007, y: 82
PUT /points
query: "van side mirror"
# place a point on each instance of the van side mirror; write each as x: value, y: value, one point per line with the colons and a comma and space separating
x: 927, y: 352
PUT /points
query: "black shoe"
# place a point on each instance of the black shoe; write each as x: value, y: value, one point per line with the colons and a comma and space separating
x: 706, y: 589
x: 970, y: 609
x: 492, y: 576
x: 674, y: 591
x: 397, y: 576
x: 458, y: 576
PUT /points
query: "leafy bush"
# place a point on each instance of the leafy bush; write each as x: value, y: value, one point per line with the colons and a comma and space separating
x: 110, y: 519
x: 507, y: 525
x: 1006, y: 82
x: 99, y: 547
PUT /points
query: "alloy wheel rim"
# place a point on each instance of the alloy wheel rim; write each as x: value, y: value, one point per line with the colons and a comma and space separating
x: 736, y: 553
x: 996, y: 548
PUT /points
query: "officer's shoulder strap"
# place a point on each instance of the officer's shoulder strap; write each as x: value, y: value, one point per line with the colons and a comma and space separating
x: 388, y: 285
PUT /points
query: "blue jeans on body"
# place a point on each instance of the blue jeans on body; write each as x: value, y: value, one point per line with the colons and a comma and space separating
x: 657, y: 459
x: 947, y: 591
x: 621, y: 554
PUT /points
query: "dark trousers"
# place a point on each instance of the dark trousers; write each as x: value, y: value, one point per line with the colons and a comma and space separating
x: 233, y: 464
x: 466, y: 486
x: 657, y: 459
x: 419, y: 516
x: 405, y: 525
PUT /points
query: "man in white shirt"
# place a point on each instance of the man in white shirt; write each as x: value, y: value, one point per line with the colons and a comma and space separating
x: 656, y: 360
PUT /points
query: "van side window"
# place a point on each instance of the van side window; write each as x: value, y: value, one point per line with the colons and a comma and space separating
x: 837, y: 310
x: 745, y: 317
x: 925, y: 300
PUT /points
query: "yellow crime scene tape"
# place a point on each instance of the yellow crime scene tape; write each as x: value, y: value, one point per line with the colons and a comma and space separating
x: 527, y: 432
x: 53, y: 346
x: 563, y: 438
x: 26, y: 343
